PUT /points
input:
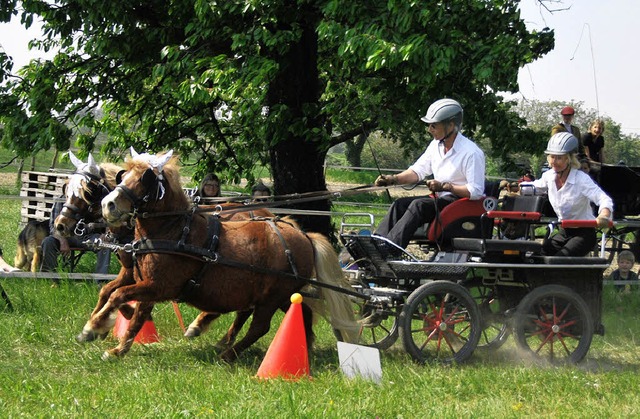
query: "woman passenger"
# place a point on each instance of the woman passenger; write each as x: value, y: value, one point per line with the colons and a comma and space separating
x: 571, y: 192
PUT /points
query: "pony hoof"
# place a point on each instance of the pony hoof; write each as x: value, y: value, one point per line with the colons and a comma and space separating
x: 192, y: 332
x: 111, y: 354
x: 87, y: 336
x: 228, y: 356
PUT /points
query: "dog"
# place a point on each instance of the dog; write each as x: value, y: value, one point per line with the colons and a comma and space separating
x: 29, y: 249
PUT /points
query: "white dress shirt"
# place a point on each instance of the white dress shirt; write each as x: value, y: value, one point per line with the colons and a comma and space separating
x: 462, y: 165
x: 573, y: 200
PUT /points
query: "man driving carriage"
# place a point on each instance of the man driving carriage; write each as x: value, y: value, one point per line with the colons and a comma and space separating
x: 456, y: 163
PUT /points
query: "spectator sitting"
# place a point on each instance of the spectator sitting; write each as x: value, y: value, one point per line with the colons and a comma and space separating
x: 209, y: 187
x: 260, y: 192
x: 626, y: 260
x: 55, y: 244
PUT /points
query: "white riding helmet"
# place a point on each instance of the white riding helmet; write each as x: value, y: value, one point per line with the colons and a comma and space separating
x: 444, y: 110
x: 562, y: 143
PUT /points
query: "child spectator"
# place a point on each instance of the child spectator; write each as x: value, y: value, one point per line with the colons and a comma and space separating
x: 626, y: 260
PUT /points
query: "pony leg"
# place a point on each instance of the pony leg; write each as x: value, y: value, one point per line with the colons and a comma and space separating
x: 259, y: 327
x: 102, y: 320
x: 228, y: 339
x: 125, y: 277
x: 200, y: 324
x: 141, y: 314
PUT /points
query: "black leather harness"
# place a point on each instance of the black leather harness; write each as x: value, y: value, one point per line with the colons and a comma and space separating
x: 208, y: 254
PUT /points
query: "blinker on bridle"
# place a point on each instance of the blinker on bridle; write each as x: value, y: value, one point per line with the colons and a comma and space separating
x: 152, y: 184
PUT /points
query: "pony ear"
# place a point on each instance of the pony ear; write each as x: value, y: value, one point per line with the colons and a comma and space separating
x: 91, y: 162
x: 164, y: 159
x: 76, y: 161
x: 134, y: 154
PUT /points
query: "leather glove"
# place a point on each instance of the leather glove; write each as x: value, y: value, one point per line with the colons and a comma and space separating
x: 386, y: 180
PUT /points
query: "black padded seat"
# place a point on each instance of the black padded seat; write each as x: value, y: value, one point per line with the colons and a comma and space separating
x: 569, y: 260
x: 484, y: 246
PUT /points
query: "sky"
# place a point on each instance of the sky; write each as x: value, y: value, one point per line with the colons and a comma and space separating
x: 595, y: 59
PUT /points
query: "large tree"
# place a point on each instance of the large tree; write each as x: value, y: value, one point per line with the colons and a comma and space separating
x: 233, y: 83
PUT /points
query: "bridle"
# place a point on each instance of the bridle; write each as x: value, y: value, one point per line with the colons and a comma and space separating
x: 97, y: 190
x: 153, y: 185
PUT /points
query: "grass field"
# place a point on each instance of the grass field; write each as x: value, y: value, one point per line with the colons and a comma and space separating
x: 45, y: 373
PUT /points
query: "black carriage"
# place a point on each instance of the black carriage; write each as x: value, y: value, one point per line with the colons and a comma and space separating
x: 622, y: 184
x: 481, y: 278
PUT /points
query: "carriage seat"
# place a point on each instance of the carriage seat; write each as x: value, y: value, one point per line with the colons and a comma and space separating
x: 526, y: 209
x: 461, y: 218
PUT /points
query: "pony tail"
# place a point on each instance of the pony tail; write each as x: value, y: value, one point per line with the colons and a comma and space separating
x: 339, y: 305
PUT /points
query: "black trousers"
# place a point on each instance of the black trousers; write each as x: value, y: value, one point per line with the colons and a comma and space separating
x: 409, y: 213
x: 570, y: 242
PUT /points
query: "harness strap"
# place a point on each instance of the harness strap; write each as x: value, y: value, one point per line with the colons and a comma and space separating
x: 287, y: 251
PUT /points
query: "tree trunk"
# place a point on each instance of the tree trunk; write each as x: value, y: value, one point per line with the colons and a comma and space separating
x: 297, y: 158
x: 298, y: 167
x: 354, y: 150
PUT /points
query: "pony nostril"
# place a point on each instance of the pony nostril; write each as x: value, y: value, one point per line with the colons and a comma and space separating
x: 60, y: 227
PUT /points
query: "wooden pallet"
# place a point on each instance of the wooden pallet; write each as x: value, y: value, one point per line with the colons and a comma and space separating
x: 39, y: 192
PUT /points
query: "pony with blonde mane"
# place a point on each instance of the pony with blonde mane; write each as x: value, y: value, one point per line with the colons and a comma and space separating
x: 217, y: 267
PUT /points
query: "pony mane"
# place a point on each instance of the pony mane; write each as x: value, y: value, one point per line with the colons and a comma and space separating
x: 170, y: 172
x: 110, y: 172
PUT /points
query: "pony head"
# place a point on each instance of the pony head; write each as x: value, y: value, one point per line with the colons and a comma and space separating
x: 143, y: 185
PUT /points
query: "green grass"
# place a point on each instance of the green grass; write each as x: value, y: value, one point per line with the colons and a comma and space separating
x: 45, y: 373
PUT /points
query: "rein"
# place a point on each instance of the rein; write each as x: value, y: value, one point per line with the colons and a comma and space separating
x: 282, y: 200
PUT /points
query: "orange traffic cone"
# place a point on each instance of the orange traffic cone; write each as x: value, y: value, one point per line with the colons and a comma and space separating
x: 287, y: 355
x: 147, y: 334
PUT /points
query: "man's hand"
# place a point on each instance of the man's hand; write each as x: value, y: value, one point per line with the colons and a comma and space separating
x: 435, y: 185
x: 386, y: 180
x: 603, y: 222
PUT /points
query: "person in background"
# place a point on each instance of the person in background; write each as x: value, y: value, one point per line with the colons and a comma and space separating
x: 260, y: 191
x: 571, y: 192
x: 585, y: 166
x: 209, y: 187
x: 456, y: 163
x: 565, y: 126
x: 4, y: 266
x: 55, y: 244
x: 593, y: 142
x: 626, y: 260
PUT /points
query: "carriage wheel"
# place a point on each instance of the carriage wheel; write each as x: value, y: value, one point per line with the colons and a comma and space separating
x: 379, y: 324
x: 554, y: 323
x: 495, y: 328
x: 440, y: 322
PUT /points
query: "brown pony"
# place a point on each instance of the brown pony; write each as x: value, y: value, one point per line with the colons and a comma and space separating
x: 86, y: 188
x: 217, y: 267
